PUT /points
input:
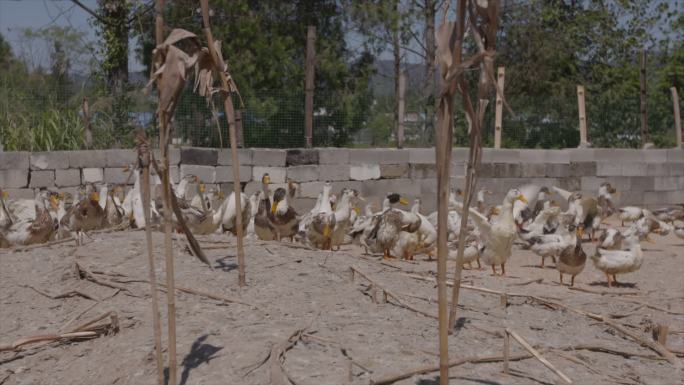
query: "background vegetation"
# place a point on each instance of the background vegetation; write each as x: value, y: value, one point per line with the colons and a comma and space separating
x: 547, y: 46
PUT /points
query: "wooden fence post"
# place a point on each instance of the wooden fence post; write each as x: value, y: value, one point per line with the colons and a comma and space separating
x: 498, y: 121
x: 309, y: 84
x: 401, y: 109
x: 238, y: 127
x: 582, y: 116
x: 677, y: 117
x: 642, y: 98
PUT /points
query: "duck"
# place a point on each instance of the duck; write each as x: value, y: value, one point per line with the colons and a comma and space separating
x: 571, y: 260
x: 427, y: 233
x: 481, y: 205
x: 283, y: 216
x: 181, y: 189
x: 629, y: 214
x: 32, y: 231
x: 551, y: 245
x: 471, y: 253
x: 230, y: 213
x: 498, y: 238
x: 254, y: 205
x: 679, y: 231
x: 362, y: 228
x: 614, y: 262
x: 5, y: 217
x: 605, y: 199
x: 322, y: 222
x: 670, y: 214
x: 305, y: 220
x: 86, y: 215
x: 200, y: 201
x: 202, y: 222
x: 114, y: 214
x: 263, y: 228
x: 611, y: 239
x: 540, y: 224
x: 453, y: 218
x: 392, y: 223
x: 587, y: 214
x: 343, y: 213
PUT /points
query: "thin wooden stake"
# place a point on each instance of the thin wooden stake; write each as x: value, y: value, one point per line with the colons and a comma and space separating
x: 309, y: 84
x: 662, y: 332
x: 538, y: 355
x: 498, y: 120
x: 144, y: 161
x: 506, y: 352
x: 401, y: 109
x: 230, y: 113
x: 677, y: 116
x: 582, y: 116
x: 643, y: 98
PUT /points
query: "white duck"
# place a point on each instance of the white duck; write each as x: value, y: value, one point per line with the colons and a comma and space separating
x: 498, y: 238
x: 611, y: 239
x: 32, y: 231
x: 630, y: 214
x: 540, y: 223
x: 322, y: 223
x: 393, y: 222
x: 283, y: 216
x: 229, y: 213
x: 343, y: 213
x: 614, y: 262
x: 427, y: 233
x: 551, y: 245
x: 679, y: 231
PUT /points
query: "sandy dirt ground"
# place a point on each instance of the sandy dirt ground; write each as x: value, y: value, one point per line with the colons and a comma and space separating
x: 348, y: 337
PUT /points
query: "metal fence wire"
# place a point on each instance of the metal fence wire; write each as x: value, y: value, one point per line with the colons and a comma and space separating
x: 49, y: 117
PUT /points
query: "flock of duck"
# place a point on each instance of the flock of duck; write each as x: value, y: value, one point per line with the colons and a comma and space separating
x: 527, y: 216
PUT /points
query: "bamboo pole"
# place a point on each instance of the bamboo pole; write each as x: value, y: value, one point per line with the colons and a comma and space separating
x: 538, y: 355
x: 643, y: 98
x: 506, y: 352
x: 166, y: 193
x: 582, y: 116
x: 401, y: 109
x: 498, y: 120
x: 230, y: 114
x: 677, y: 116
x: 309, y: 84
x: 144, y: 161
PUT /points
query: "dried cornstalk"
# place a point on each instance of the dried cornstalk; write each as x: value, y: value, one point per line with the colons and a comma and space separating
x: 144, y: 164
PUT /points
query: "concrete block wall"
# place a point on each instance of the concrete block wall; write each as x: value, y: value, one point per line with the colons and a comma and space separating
x: 643, y: 177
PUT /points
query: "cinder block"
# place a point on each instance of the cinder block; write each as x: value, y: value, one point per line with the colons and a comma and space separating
x: 305, y: 173
x: 618, y: 155
x: 572, y: 183
x: 14, y: 160
x: 459, y: 155
x: 20, y: 193
x: 641, y: 183
x: 268, y: 157
x: 429, y: 186
x: 557, y: 170
x: 675, y: 155
x: 44, y: 178
x: 582, y: 169
x: 91, y: 175
x: 174, y: 156
x: 657, y: 169
x: 501, y: 155
x: 608, y: 169
x: 656, y: 198
x: 303, y: 205
x: 87, y: 159
x: 423, y: 171
x: 630, y: 198
x: 206, y: 174
x: 14, y: 178
x: 422, y: 155
x: 532, y: 169
x: 364, y: 172
x: 117, y: 176
x: 225, y: 157
x: 68, y: 178
x: 310, y: 189
x: 380, y: 188
x: 277, y: 174
x: 301, y: 156
x: 54, y: 160
x: 174, y: 174
x: 225, y: 174
x: 333, y: 156
x: 675, y: 168
x: 378, y: 156
x: 333, y: 172
x: 654, y: 155
x: 500, y: 170
x: 120, y: 158
x: 580, y: 154
x: 391, y: 171
x: 458, y: 169
x: 634, y: 169
x: 199, y: 156
x: 668, y: 183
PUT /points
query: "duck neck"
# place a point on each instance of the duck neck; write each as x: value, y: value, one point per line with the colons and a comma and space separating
x: 506, y: 216
x: 325, y: 200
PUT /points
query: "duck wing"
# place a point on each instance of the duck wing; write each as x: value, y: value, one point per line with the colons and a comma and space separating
x: 480, y: 220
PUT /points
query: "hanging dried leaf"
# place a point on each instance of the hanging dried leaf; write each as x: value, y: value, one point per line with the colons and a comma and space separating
x: 445, y: 38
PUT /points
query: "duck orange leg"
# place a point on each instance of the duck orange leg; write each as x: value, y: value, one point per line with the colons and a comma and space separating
x: 478, y: 264
x: 608, y: 279
x: 385, y: 254
x: 494, y: 270
x: 615, y: 282
x: 503, y: 269
x: 561, y: 278
x: 572, y: 281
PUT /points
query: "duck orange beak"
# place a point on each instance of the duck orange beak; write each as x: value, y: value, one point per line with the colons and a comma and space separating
x: 95, y: 197
x: 326, y: 231
x: 522, y: 198
x: 403, y: 201
x: 274, y: 208
x: 580, y: 232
